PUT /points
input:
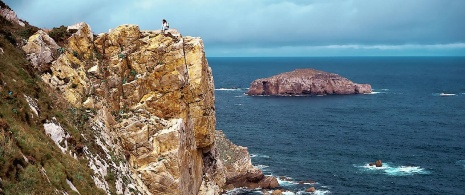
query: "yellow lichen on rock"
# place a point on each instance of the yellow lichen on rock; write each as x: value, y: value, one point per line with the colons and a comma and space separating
x: 156, y: 94
x: 82, y: 40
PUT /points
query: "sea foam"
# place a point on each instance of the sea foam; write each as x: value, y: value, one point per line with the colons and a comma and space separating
x: 229, y: 89
x: 392, y: 170
x: 259, y: 156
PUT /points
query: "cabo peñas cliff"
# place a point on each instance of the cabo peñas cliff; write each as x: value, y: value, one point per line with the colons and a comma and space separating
x: 141, y: 113
x: 306, y: 82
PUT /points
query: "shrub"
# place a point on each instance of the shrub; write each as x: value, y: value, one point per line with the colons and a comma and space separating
x: 59, y: 34
x: 27, y: 32
x: 61, y: 50
x: 133, y: 73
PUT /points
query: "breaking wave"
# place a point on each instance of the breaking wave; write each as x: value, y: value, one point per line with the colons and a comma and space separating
x: 393, y: 170
x: 378, y: 91
x: 444, y: 94
x: 259, y: 156
x: 231, y: 89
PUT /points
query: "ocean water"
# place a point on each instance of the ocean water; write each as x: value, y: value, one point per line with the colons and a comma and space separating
x: 327, y: 142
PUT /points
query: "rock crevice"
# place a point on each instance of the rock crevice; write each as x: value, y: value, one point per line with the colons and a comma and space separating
x: 154, y: 97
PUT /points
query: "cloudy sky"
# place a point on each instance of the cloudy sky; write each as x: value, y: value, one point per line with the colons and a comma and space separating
x: 276, y: 27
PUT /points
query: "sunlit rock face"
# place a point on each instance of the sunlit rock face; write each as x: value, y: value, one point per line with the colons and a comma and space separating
x: 153, y: 92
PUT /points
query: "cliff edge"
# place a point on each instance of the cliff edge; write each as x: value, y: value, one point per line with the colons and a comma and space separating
x: 125, y: 112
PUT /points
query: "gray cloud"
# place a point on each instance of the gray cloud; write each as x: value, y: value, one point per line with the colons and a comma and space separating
x: 262, y: 24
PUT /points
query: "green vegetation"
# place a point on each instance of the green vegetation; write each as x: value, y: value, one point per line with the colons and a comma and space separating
x: 60, y: 34
x: 30, y: 162
x: 121, y: 55
x: 61, y: 50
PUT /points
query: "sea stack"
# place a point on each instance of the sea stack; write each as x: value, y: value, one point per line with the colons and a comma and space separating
x: 306, y: 82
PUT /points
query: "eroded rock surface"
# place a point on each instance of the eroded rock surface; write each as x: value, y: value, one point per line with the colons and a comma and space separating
x: 152, y: 99
x: 306, y: 82
x: 153, y: 93
x: 239, y: 171
x: 10, y: 15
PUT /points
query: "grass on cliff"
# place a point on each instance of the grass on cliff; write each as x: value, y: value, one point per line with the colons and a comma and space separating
x: 30, y: 162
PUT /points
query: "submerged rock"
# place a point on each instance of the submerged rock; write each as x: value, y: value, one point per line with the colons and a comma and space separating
x: 306, y: 82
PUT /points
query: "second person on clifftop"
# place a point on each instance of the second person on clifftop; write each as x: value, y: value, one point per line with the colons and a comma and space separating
x: 164, y: 26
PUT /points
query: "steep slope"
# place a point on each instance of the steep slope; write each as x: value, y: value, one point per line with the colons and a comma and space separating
x: 152, y: 98
x: 29, y: 161
x: 124, y: 112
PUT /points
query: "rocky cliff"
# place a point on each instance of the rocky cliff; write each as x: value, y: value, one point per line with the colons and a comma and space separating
x: 136, y: 107
x: 306, y: 82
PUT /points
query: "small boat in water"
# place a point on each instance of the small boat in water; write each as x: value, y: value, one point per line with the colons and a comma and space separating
x: 446, y: 94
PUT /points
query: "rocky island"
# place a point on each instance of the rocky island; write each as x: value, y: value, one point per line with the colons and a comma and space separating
x: 306, y: 82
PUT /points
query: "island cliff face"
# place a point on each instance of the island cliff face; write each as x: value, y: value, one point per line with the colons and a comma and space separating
x: 150, y: 96
x: 306, y: 82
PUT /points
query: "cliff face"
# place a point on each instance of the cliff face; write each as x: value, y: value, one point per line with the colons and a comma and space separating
x: 153, y: 97
x: 306, y: 82
x: 124, y: 112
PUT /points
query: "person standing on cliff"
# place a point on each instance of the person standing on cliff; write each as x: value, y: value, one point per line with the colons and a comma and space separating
x: 164, y: 25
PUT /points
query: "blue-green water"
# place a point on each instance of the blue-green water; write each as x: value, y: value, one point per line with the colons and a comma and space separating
x: 416, y: 132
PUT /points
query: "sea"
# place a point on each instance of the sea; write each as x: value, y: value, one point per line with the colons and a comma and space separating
x: 414, y: 122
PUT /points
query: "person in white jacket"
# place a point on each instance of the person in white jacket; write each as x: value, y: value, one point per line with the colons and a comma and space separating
x: 164, y: 25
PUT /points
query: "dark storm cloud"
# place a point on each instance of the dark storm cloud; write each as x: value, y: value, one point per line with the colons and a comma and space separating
x: 263, y: 25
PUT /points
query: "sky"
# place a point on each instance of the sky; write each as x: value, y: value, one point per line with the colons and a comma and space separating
x: 276, y: 28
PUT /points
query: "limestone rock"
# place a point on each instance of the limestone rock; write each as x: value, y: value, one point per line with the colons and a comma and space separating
x: 81, y: 41
x: 154, y: 97
x: 93, y: 70
x: 306, y: 82
x: 40, y: 49
x: 89, y: 103
x: 238, y: 167
x: 268, y: 182
x: 10, y: 15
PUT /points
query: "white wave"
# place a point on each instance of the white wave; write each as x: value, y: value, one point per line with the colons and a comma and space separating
x: 286, y: 183
x: 384, y: 89
x: 259, y: 156
x: 388, y: 169
x: 237, y: 191
x: 239, y: 96
x: 447, y: 94
x: 262, y: 167
x: 317, y: 192
x: 373, y: 93
x: 444, y: 94
x: 229, y: 89
x: 237, y: 104
x: 288, y: 193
